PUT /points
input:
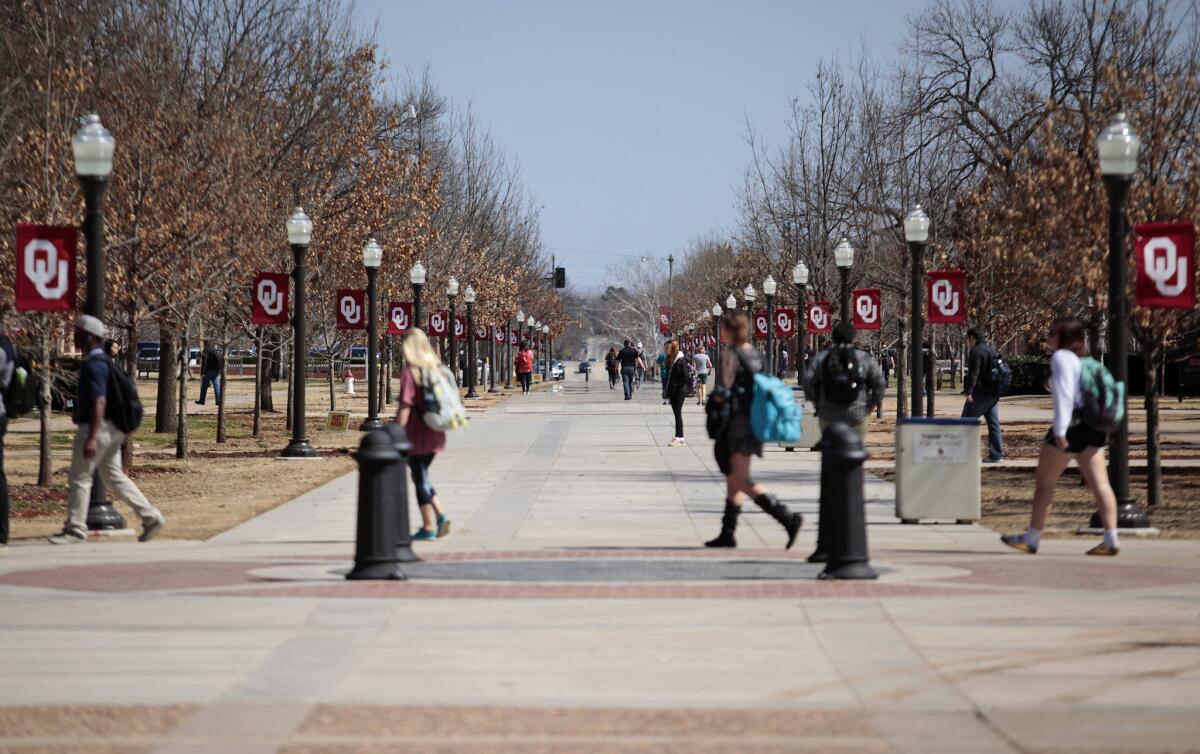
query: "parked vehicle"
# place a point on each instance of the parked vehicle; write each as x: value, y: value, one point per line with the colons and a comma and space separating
x: 147, y: 358
x: 584, y: 367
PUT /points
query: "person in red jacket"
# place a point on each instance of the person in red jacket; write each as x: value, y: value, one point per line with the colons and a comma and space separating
x: 523, y: 362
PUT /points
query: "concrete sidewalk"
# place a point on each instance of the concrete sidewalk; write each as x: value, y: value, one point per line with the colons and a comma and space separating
x: 572, y: 609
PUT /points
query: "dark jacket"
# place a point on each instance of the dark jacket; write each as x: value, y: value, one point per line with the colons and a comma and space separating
x: 677, y: 379
x: 212, y: 362
x: 979, y: 362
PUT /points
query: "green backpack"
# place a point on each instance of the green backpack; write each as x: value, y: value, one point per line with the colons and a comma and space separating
x: 1103, y: 406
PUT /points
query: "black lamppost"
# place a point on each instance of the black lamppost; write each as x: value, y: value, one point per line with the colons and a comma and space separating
x: 800, y: 280
x: 452, y: 328
x: 416, y: 276
x: 769, y: 287
x: 508, y: 340
x: 546, y: 345
x: 469, y: 298
x: 529, y: 323
x: 299, y: 232
x: 372, y: 258
x: 493, y: 352
x: 916, y: 232
x: 843, y: 256
x: 92, y: 147
x: 749, y: 294
x: 716, y: 333
x: 1118, y: 147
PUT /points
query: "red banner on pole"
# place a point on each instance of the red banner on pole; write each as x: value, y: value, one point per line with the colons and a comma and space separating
x: 785, y: 322
x: 867, y: 305
x: 269, y: 305
x: 664, y: 320
x: 439, y: 323
x: 498, y: 335
x: 947, y: 294
x: 351, y: 309
x: 45, y: 268
x: 760, y: 323
x: 1165, y: 254
x: 514, y: 337
x: 819, y: 318
x: 482, y: 333
x: 400, y: 316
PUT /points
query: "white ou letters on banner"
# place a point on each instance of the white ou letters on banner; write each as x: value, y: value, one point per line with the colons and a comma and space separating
x: 1165, y: 254
x: 399, y: 317
x: 947, y: 294
x: 785, y: 323
x: 45, y: 279
x: 351, y: 309
x: 868, y: 310
x: 269, y: 295
x: 818, y: 317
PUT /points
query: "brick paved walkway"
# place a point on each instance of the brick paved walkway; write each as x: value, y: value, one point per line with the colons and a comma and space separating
x: 572, y: 610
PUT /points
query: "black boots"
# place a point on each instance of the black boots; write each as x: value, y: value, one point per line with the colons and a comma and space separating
x: 728, y: 525
x: 778, y: 511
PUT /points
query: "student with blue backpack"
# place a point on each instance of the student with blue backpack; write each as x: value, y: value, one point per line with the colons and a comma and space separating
x: 741, y: 395
x: 1088, y: 404
x: 988, y: 376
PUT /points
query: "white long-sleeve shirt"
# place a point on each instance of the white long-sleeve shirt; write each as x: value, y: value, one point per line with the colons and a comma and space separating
x: 1065, y: 371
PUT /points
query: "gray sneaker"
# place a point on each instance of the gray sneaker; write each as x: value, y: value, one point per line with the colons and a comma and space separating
x: 67, y: 538
x: 150, y: 528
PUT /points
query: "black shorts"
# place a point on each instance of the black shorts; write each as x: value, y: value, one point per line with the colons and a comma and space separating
x: 1079, y: 438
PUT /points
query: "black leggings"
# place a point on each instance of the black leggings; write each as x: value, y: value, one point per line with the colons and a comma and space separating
x: 419, y: 466
x: 3, y: 485
x: 677, y: 407
x: 526, y: 379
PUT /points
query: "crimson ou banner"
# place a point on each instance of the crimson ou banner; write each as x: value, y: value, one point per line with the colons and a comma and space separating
x: 785, y: 322
x: 664, y: 320
x: 460, y: 327
x: 482, y: 333
x: 45, y: 268
x: 269, y: 302
x: 439, y: 323
x: 1166, y: 265
x: 867, y: 304
x: 351, y: 309
x: 514, y: 337
x: 819, y: 318
x: 947, y: 294
x: 761, y: 324
x: 400, y: 316
x: 498, y: 335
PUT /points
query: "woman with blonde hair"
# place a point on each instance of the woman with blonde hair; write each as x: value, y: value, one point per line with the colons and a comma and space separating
x: 419, y: 356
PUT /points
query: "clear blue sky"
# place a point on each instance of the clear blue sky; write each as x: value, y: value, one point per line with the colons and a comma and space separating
x: 627, y: 118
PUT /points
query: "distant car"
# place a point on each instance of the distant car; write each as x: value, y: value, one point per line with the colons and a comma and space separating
x: 584, y: 367
x: 556, y: 371
x: 147, y: 358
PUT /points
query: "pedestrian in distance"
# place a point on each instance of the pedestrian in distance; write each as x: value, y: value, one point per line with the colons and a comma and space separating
x: 982, y: 387
x: 613, y: 367
x: 886, y: 363
x: 98, y: 441
x: 640, y: 367
x: 783, y: 362
x: 1070, y: 437
x: 419, y: 356
x: 630, y: 361
x: 523, y: 363
x: 8, y: 363
x: 675, y: 387
x: 112, y: 348
x: 210, y: 374
x: 701, y: 362
x: 844, y: 382
x: 729, y: 425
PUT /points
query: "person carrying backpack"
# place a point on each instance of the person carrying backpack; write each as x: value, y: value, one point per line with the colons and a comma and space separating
x: 613, y: 367
x: 419, y: 359
x: 1088, y: 404
x: 523, y: 363
x: 103, y: 410
x: 983, y: 386
x: 845, y: 383
x: 729, y: 425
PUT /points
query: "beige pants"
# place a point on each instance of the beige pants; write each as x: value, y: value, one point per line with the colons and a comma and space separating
x: 860, y: 428
x: 108, y: 461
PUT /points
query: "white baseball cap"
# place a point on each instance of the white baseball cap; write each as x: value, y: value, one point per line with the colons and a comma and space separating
x: 90, y: 325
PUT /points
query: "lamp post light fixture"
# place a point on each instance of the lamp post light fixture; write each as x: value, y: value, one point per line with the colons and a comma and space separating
x: 716, y: 334
x: 451, y: 353
x: 299, y: 233
x: 916, y: 233
x: 800, y: 280
x: 469, y: 299
x: 769, y: 288
x: 749, y: 294
x: 1118, y: 147
x: 372, y: 258
x: 843, y: 256
x: 416, y: 276
x: 92, y: 147
x: 529, y: 322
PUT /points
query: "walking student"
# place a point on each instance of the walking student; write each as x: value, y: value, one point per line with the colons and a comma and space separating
x: 1069, y: 438
x: 735, y: 441
x: 98, y: 443
x: 701, y: 361
x: 675, y: 386
x: 210, y: 375
x: 612, y: 366
x: 844, y: 382
x: 419, y: 356
x: 983, y: 394
x: 523, y: 362
x: 8, y: 363
x: 630, y: 360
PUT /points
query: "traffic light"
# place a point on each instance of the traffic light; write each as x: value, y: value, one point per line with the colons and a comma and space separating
x: 560, y: 277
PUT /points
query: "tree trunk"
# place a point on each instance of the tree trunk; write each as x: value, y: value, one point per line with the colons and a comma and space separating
x: 388, y: 369
x: 1152, y: 356
x: 181, y: 427
x: 45, y: 462
x: 901, y: 374
x: 268, y: 353
x: 168, y: 372
x: 256, y: 429
x: 131, y: 370
x: 332, y: 394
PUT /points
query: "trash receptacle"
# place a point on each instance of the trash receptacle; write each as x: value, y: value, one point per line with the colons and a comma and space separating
x: 810, y: 431
x: 937, y: 470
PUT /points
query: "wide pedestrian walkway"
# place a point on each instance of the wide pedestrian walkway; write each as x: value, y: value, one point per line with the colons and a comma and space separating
x: 573, y: 609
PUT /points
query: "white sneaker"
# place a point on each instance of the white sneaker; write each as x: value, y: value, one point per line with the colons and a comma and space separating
x: 676, y: 442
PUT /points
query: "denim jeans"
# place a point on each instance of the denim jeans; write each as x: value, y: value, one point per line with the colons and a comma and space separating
x: 627, y: 382
x: 989, y: 409
x: 215, y: 381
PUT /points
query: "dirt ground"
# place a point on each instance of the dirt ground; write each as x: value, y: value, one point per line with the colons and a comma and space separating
x: 219, y: 485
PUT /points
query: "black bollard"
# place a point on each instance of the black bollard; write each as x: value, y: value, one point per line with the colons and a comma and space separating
x: 825, y: 510
x: 396, y: 490
x: 842, y: 496
x: 375, y: 545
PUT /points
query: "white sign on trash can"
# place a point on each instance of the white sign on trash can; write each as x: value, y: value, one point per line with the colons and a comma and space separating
x: 940, y: 446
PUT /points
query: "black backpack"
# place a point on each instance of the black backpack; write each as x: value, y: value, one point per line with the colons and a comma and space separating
x: 843, y: 377
x: 998, y: 374
x: 122, y: 406
x: 19, y: 396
